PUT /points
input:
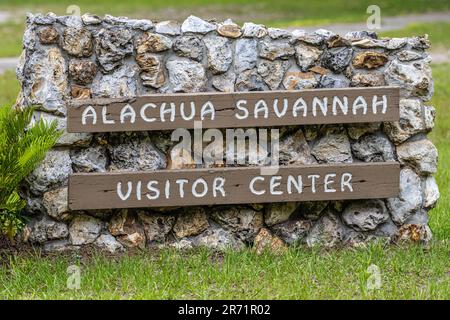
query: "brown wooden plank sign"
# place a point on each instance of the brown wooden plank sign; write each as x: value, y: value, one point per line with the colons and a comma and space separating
x: 235, y: 110
x: 234, y: 185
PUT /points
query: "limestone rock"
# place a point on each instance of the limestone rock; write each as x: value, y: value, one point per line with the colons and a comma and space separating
x: 409, y: 199
x: 279, y: 212
x: 48, y: 35
x: 246, y: 55
x: 152, y: 67
x: 278, y: 49
x: 295, y: 80
x: 429, y: 115
x: 169, y: 27
x: 186, y: 75
x: 91, y: 159
x: 333, y: 147
x: 121, y: 83
x: 77, y: 42
x: 374, y: 148
x: 53, y: 171
x: 277, y: 33
x: 189, y: 46
x: 430, y: 192
x: 156, y: 226
x: 370, y: 60
x: 196, y: 25
x: 312, y: 209
x: 337, y: 59
x: 265, y: 240
x: 55, y: 203
x: 219, y: 53
x: 47, y: 229
x: 409, y: 55
x: 373, y: 79
x: 224, y: 82
x: 396, y: 43
x: 78, y: 92
x: 413, y: 79
x: 245, y: 223
x: 91, y: 19
x: 127, y: 229
x: 84, y: 229
x: 191, y: 223
x: 365, y: 215
x: 295, y: 150
x: 413, y: 232
x: 334, y: 81
x: 217, y: 238
x: 292, y: 232
x: 112, y: 46
x: 419, y: 154
x: 306, y: 55
x: 327, y: 232
x: 82, y: 71
x: 272, y: 72
x: 357, y: 130
x: 135, y: 153
x: 109, y: 243
x: 249, y: 80
x: 229, y: 29
x: 251, y: 30
x: 152, y: 42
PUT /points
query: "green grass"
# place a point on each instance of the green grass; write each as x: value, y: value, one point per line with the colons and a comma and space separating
x: 9, y: 88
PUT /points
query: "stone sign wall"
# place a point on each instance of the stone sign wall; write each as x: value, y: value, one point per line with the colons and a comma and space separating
x: 70, y: 57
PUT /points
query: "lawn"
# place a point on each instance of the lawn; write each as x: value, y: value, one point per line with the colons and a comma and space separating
x: 407, y: 272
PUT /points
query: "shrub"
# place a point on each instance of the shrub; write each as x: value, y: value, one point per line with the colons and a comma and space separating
x: 22, y: 147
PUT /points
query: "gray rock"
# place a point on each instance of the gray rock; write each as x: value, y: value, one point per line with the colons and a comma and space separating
x: 92, y: 159
x: 429, y: 115
x: 419, y: 154
x: 312, y: 209
x: 295, y: 80
x: 52, y: 172
x: 357, y: 130
x: 409, y: 55
x: 334, y: 81
x: 411, y: 121
x: 219, y: 53
x: 430, y: 192
x: 306, y: 55
x: 246, y: 55
x: 279, y: 212
x: 72, y: 21
x: 251, y: 30
x: 413, y: 79
x: 272, y: 72
x: 327, y: 232
x: 213, y: 238
x: 82, y: 72
x: 295, y: 150
x: 169, y: 27
x: 109, y: 243
x: 156, y: 226
x: 137, y: 24
x: 196, y: 25
x: 373, y: 148
x: 134, y: 153
x: 333, y: 147
x: 127, y: 228
x: 186, y: 75
x: 293, y: 232
x: 59, y: 246
x: 361, y: 35
x: 224, y: 82
x: 189, y: 46
x: 91, y: 19
x: 84, y: 229
x: 42, y: 19
x: 276, y: 33
x: 419, y: 42
x: 409, y: 199
x: 277, y: 49
x: 191, y: 223
x: 47, y: 229
x: 153, y: 43
x: 77, y: 42
x: 55, y: 204
x: 396, y: 43
x: 337, y: 59
x: 243, y: 222
x: 249, y: 80
x: 372, y: 79
x: 112, y: 45
x: 121, y: 83
x: 365, y: 215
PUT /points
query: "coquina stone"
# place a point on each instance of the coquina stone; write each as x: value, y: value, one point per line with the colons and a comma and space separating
x: 214, y: 238
x: 411, y: 121
x: 413, y: 79
x: 430, y: 192
x: 53, y: 171
x: 276, y: 49
x: 296, y: 80
x: 246, y: 55
x: 266, y: 241
x: 72, y: 21
x: 55, y: 204
x: 156, y: 225
x: 112, y: 46
x: 229, y: 29
x: 244, y: 222
x: 219, y: 53
x: 306, y: 55
x: 250, y: 80
x: 251, y: 30
x: 429, y: 114
x: 370, y: 60
x: 420, y: 154
x: 272, y: 72
x: 374, y: 148
x: 78, y: 92
x: 191, y: 223
x: 277, y: 33
x: 409, y: 199
x: 333, y: 147
x: 127, y: 229
x: 373, y: 79
x: 295, y: 150
x: 337, y: 41
x: 224, y: 82
x: 196, y: 25
x: 365, y: 215
x: 279, y: 212
x: 91, y: 159
x: 152, y: 42
x: 337, y: 59
x: 186, y: 75
x: 189, y: 46
x: 152, y: 67
x: 120, y: 83
x: 48, y: 35
x: 169, y: 27
x: 82, y: 71
x: 77, y: 42
x: 84, y: 229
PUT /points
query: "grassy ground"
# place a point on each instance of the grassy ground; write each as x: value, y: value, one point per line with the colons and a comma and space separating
x: 406, y: 272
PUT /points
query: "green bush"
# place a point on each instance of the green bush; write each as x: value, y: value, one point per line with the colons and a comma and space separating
x: 22, y: 147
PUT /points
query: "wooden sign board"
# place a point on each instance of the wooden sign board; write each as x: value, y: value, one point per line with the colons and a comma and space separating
x: 234, y: 110
x: 232, y: 186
